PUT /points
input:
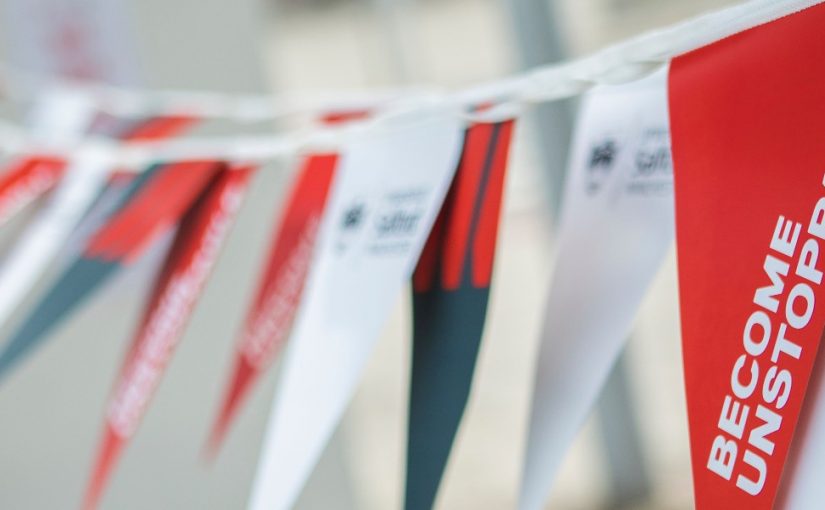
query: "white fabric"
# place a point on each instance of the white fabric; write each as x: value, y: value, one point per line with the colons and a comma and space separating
x: 617, y: 225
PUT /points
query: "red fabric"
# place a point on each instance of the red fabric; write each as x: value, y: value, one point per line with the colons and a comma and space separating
x: 748, y: 127
x: 26, y: 180
x: 279, y: 291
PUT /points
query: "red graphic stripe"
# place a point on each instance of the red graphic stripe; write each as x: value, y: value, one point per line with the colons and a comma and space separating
x: 344, y: 116
x: 486, y: 231
x: 279, y: 292
x: 27, y: 180
x: 159, y: 128
x: 158, y: 206
x: 179, y: 284
x: 425, y: 275
x: 466, y: 183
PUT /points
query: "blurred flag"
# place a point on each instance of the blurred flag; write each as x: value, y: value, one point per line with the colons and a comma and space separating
x: 155, y: 202
x: 176, y: 291
x: 451, y: 285
x: 279, y: 292
x: 616, y: 228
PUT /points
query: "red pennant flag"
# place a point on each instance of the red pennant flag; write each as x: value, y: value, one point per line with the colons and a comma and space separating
x: 748, y: 124
x: 27, y: 180
x: 158, y: 207
x: 176, y: 291
x: 279, y: 292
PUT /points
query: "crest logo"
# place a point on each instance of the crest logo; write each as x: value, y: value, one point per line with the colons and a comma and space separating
x: 353, y: 216
x: 602, y: 157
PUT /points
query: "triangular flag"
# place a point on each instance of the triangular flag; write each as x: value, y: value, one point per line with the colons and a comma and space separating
x: 279, y: 292
x: 175, y: 293
x: 387, y: 191
x: 616, y: 227
x: 747, y: 118
x: 156, y: 202
x: 451, y: 286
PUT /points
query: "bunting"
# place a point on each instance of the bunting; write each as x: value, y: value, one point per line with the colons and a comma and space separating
x: 155, y: 202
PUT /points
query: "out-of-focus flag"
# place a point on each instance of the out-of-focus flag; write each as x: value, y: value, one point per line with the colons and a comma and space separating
x: 451, y: 286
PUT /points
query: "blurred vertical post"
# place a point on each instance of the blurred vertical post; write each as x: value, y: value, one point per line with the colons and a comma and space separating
x: 540, y: 41
x: 394, y: 16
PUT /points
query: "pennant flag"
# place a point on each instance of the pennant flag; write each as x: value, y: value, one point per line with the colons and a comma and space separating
x: 616, y: 227
x: 26, y: 180
x: 279, y: 292
x: 451, y: 285
x: 49, y: 229
x: 175, y: 293
x: 386, y: 194
x: 748, y: 116
x: 157, y: 200
x: 81, y: 184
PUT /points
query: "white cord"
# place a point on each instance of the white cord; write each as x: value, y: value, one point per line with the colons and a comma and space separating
x: 623, y: 62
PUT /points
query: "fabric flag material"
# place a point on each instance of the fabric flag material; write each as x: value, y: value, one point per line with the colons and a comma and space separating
x: 26, y: 180
x: 616, y: 228
x: 279, y: 293
x: 157, y: 200
x: 174, y: 296
x: 117, y: 187
x: 42, y: 239
x: 451, y: 285
x: 386, y: 194
x: 117, y: 184
x: 82, y: 181
x: 59, y: 113
x: 748, y: 117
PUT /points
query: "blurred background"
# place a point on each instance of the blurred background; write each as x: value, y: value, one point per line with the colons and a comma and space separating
x: 633, y: 453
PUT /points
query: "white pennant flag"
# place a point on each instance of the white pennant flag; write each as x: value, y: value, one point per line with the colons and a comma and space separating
x: 386, y: 194
x: 616, y: 228
x: 59, y: 113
